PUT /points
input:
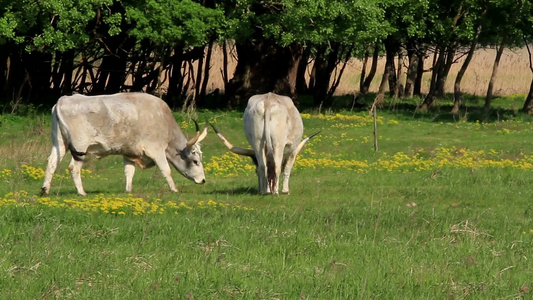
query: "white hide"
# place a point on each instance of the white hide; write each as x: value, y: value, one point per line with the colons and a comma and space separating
x: 274, y: 128
x: 138, y: 126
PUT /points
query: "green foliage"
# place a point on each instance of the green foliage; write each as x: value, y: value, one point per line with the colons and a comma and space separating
x: 307, y: 22
x: 50, y: 25
x: 169, y: 22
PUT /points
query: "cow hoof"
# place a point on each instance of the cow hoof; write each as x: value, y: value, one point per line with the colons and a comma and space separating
x: 44, y: 191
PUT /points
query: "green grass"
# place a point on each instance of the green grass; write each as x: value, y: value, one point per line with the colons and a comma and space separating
x: 442, y: 211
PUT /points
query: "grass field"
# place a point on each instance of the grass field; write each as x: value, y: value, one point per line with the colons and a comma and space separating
x: 442, y: 211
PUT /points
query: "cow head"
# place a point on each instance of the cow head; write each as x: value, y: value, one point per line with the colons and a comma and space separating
x: 187, y: 159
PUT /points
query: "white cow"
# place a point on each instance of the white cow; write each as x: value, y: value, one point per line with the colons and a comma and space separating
x: 274, y: 128
x: 138, y: 126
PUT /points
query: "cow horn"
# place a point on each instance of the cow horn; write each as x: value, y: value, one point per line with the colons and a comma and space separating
x: 195, y: 138
x: 236, y: 150
x: 302, y: 143
x: 204, y: 132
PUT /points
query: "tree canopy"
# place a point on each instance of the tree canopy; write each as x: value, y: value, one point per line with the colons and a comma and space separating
x: 54, y: 47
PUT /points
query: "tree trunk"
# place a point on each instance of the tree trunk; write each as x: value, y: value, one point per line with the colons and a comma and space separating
x: 62, y: 73
x: 417, y: 88
x: 386, y: 75
x: 363, y: 69
x: 398, y: 90
x: 438, y: 61
x: 317, y: 61
x: 8, y: 69
x: 263, y: 67
x: 57, y: 76
x: 38, y: 66
x: 457, y: 94
x: 411, y: 70
x: 301, y: 84
x: 143, y: 65
x: 499, y: 53
x: 441, y: 69
x: 337, y: 79
x: 528, y: 104
x: 203, y: 91
x: 444, y: 71
x: 67, y: 68
x: 198, y: 82
x: 391, y: 48
x: 323, y: 68
x: 368, y: 80
x: 225, y: 78
x: 175, y: 81
x: 113, y: 68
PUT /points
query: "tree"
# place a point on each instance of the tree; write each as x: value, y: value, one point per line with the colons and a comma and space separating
x: 447, y: 20
x: 503, y: 32
x: 271, y: 36
x: 179, y: 30
x: 525, y: 26
x: 35, y: 33
x: 478, y: 24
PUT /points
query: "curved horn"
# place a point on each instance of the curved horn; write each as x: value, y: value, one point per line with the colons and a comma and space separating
x: 204, y: 132
x: 236, y: 150
x: 194, y: 139
x: 302, y: 143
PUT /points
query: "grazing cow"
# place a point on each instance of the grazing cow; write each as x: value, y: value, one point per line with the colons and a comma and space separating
x: 138, y: 126
x: 273, y: 127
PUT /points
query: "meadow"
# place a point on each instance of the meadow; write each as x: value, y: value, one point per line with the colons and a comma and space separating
x: 442, y: 211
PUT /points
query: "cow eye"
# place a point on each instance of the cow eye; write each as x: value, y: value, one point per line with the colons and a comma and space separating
x: 195, y: 162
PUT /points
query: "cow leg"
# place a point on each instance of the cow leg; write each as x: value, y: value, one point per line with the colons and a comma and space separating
x: 262, y: 173
x: 162, y: 164
x: 129, y: 171
x: 56, y: 155
x: 287, y: 168
x: 278, y: 158
x: 75, y: 172
x: 262, y: 179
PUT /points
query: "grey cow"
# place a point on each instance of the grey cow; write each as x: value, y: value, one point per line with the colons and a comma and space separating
x: 274, y: 128
x: 138, y: 126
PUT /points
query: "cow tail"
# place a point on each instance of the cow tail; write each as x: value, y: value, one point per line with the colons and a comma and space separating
x: 77, y: 155
x: 270, y: 161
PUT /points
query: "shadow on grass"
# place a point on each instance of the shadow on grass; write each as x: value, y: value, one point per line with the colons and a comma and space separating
x: 472, y: 109
x: 235, y: 191
x: 74, y: 193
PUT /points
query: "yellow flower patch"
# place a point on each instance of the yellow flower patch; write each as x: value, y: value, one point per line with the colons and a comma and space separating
x: 111, y: 204
x: 5, y: 174
x: 32, y: 172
